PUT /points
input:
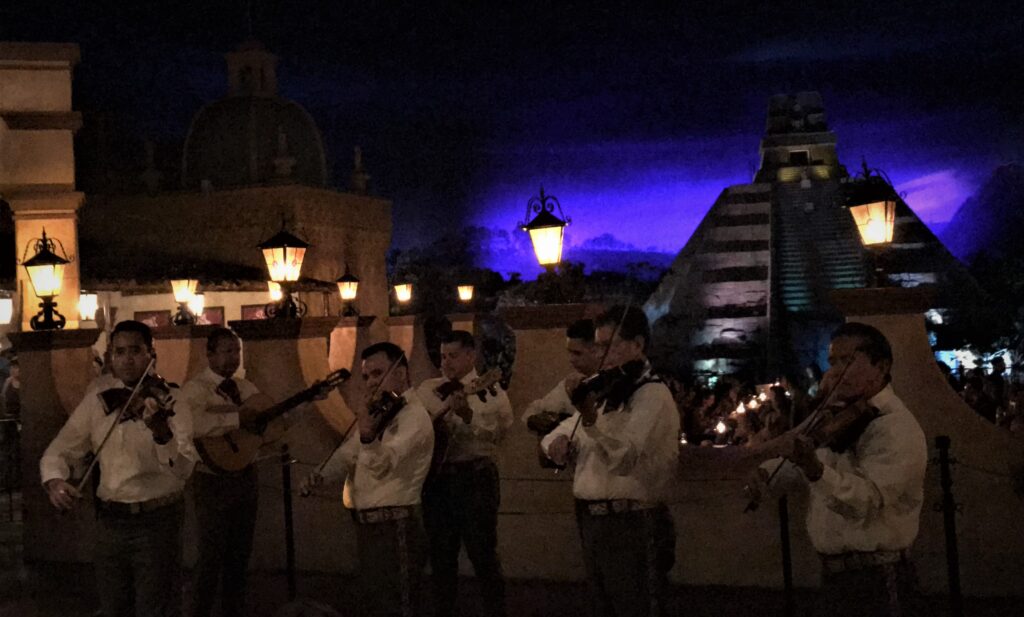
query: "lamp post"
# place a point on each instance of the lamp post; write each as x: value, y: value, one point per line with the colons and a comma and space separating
x: 547, y: 231
x: 88, y: 304
x: 46, y: 273
x: 184, y: 290
x: 348, y: 288
x: 871, y: 200
x: 284, y: 254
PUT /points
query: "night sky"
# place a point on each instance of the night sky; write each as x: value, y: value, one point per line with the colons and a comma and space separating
x: 635, y: 119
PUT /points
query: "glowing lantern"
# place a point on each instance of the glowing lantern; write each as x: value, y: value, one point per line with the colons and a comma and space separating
x: 872, y: 204
x: 275, y: 291
x: 348, y: 288
x: 284, y: 254
x: 721, y: 428
x: 197, y: 304
x: 6, y: 310
x: 183, y: 289
x: 466, y: 293
x: 403, y: 292
x: 88, y: 304
x: 46, y: 273
x: 547, y: 231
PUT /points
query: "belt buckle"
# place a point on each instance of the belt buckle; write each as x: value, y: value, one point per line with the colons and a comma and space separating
x: 620, y: 505
x: 373, y: 516
x: 598, y: 509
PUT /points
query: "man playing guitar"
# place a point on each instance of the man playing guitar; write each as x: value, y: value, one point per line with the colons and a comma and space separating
x: 226, y: 500
x: 460, y: 502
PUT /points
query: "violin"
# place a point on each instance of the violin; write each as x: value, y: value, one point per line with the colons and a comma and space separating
x: 611, y: 387
x: 153, y: 393
x: 383, y: 409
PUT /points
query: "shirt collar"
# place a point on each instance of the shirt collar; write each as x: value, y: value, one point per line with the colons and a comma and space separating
x: 213, y: 377
x: 885, y: 401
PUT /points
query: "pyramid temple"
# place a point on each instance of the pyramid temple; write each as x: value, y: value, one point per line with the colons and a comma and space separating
x: 749, y: 293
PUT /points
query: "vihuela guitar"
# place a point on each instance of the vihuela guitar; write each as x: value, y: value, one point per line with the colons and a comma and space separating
x: 261, y: 424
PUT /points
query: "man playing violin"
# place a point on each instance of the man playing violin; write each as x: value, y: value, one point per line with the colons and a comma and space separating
x: 225, y: 503
x: 384, y: 465
x: 866, y: 487
x: 461, y: 501
x: 144, y: 463
x: 624, y: 439
x: 584, y: 359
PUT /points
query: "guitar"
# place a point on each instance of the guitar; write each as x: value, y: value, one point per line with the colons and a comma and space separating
x: 442, y: 434
x: 236, y: 450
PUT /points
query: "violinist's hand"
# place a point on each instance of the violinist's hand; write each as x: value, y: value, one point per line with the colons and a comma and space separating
x: 803, y: 455
x: 312, y: 481
x: 156, y: 420
x: 460, y: 406
x: 558, y: 450
x: 62, y: 495
x: 572, y: 382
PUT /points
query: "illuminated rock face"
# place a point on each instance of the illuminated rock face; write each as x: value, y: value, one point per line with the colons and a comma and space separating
x: 750, y: 290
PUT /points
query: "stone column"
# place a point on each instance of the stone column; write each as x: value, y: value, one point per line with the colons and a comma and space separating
x: 37, y: 160
x: 56, y: 368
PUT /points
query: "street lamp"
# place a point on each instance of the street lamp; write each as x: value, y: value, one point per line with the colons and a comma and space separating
x: 275, y: 291
x: 46, y: 273
x: 871, y: 200
x: 466, y: 293
x: 88, y: 304
x: 284, y: 254
x: 546, y: 230
x: 403, y: 292
x: 348, y: 288
x: 184, y: 290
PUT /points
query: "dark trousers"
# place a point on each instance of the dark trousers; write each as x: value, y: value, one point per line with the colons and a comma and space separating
x: 391, y: 559
x: 888, y: 590
x: 627, y: 557
x: 226, y: 517
x: 138, y: 563
x: 460, y: 506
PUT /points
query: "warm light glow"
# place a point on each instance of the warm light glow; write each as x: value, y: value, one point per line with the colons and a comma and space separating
x: 875, y: 221
x: 547, y: 244
x: 465, y: 293
x: 46, y: 279
x: 752, y: 405
x: 196, y: 304
x: 88, y: 304
x: 403, y: 292
x: 284, y: 263
x: 721, y: 428
x: 740, y: 409
x: 348, y: 290
x: 275, y: 291
x: 6, y: 310
x: 762, y: 397
x: 184, y: 289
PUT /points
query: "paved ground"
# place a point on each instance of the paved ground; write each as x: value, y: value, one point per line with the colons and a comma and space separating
x: 52, y: 590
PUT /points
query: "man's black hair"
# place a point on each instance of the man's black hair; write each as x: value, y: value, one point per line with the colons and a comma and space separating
x: 633, y: 324
x: 872, y: 342
x: 461, y: 337
x: 216, y: 336
x: 392, y: 351
x: 581, y: 329
x: 130, y: 325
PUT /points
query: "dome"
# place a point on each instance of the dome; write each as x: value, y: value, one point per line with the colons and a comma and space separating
x: 252, y: 136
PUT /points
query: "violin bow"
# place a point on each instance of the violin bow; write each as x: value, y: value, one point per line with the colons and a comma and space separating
x: 808, y: 425
x: 117, y: 420
x: 355, y: 421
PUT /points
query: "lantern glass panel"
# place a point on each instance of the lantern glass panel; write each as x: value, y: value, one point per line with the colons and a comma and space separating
x: 465, y: 293
x: 184, y: 289
x: 275, y: 291
x: 875, y: 221
x: 284, y: 263
x: 403, y: 292
x: 88, y: 304
x: 348, y: 290
x: 46, y: 279
x: 6, y: 310
x: 196, y: 304
x: 547, y: 244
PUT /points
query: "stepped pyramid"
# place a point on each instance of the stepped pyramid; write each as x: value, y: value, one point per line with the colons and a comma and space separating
x: 749, y: 291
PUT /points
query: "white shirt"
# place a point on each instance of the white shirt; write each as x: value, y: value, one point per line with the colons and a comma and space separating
x: 869, y: 497
x: 491, y: 420
x: 133, y: 468
x: 556, y: 401
x: 629, y: 453
x: 388, y: 471
x: 200, y: 394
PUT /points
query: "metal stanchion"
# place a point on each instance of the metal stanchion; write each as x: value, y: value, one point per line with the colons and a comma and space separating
x: 949, y: 508
x: 787, y: 557
x: 289, y: 523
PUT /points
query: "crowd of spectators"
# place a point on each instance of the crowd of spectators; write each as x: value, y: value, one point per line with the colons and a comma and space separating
x: 990, y: 394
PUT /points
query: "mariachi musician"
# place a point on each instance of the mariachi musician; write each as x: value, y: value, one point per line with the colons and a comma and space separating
x: 623, y: 438
x: 229, y: 408
x: 461, y: 498
x: 865, y: 476
x: 543, y: 414
x: 384, y: 464
x: 141, y: 438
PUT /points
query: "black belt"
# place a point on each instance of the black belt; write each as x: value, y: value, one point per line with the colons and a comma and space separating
x: 604, y: 507
x: 383, y: 514
x: 856, y: 560
x: 122, y: 508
